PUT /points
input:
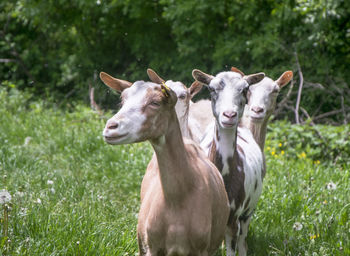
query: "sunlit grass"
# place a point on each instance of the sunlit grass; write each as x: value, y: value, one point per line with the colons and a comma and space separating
x: 72, y: 194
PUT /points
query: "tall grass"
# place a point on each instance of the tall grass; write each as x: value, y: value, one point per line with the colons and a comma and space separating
x: 72, y: 194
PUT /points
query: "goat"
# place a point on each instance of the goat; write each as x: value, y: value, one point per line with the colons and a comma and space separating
x: 184, y: 206
x: 194, y: 117
x: 241, y: 161
x: 261, y: 102
x: 190, y: 127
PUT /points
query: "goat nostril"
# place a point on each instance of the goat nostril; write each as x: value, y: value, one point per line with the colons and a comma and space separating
x: 258, y: 110
x: 230, y: 114
x: 113, y: 126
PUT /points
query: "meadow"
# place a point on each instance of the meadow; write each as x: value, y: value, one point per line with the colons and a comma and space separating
x: 72, y: 194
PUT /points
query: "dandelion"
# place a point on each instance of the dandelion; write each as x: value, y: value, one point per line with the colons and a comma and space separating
x: 50, y: 182
x: 282, y: 152
x: 280, y: 145
x: 331, y: 186
x: 297, y: 226
x: 273, y: 153
x: 5, y: 197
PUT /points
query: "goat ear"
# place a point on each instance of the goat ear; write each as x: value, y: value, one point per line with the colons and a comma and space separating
x: 168, y: 93
x: 254, y: 78
x: 202, y: 77
x: 237, y: 71
x: 195, y: 88
x: 153, y: 76
x: 284, y: 78
x: 114, y: 83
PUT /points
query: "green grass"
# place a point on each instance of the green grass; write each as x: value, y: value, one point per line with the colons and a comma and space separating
x: 89, y: 191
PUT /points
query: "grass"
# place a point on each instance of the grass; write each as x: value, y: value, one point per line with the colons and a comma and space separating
x: 72, y: 194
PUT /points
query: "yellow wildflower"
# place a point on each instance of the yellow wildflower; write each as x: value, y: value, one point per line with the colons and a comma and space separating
x: 314, y: 236
x: 273, y: 153
x: 280, y: 145
x: 268, y: 148
x: 302, y: 155
x: 282, y: 152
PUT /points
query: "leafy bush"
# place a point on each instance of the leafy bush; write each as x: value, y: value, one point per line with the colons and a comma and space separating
x: 319, y: 142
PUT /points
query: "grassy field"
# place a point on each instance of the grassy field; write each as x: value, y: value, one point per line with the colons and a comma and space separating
x: 72, y: 194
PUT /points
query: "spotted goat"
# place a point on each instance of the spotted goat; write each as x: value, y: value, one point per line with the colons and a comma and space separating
x: 184, y: 206
x: 235, y: 153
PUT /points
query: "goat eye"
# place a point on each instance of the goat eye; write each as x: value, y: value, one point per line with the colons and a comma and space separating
x: 155, y: 104
x: 182, y: 96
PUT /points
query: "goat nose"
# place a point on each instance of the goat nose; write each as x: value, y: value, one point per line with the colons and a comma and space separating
x: 257, y: 109
x: 112, y: 125
x: 230, y: 114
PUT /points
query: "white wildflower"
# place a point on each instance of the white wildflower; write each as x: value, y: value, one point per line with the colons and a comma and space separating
x: 297, y: 226
x: 53, y: 191
x: 27, y: 140
x: 50, y: 182
x: 19, y: 194
x: 22, y: 212
x: 38, y: 201
x: 5, y: 197
x: 331, y: 186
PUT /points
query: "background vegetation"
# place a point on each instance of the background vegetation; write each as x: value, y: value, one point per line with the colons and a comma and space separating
x: 56, y: 49
x: 72, y: 194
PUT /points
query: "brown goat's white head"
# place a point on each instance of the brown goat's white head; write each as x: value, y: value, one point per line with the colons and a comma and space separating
x: 262, y: 96
x: 228, y: 94
x: 145, y: 113
x: 184, y: 94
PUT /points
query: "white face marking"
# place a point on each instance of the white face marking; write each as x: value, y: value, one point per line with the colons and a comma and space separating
x: 227, y: 95
x: 182, y: 94
x: 262, y: 99
x: 130, y: 118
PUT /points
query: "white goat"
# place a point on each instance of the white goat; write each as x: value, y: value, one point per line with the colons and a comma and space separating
x: 240, y: 161
x: 184, y: 206
x: 261, y: 103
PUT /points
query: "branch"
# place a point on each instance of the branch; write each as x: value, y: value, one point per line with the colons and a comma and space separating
x: 7, y: 60
x: 345, y: 121
x: 307, y: 115
x: 333, y: 112
x: 314, y: 85
x: 301, y: 82
x: 93, y: 103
